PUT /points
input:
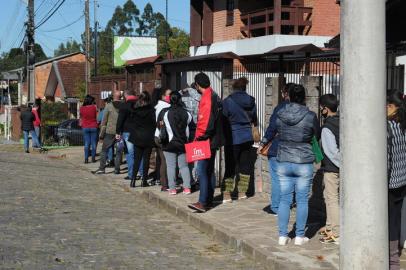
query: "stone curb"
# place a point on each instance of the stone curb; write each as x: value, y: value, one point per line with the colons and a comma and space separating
x: 221, y: 234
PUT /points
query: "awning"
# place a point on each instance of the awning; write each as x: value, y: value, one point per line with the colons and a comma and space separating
x: 142, y: 61
x: 295, y: 49
x: 216, y: 56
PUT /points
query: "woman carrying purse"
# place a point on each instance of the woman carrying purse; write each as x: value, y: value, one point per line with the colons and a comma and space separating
x: 241, y: 111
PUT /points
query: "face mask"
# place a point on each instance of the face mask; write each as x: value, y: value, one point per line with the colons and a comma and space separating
x: 167, y: 99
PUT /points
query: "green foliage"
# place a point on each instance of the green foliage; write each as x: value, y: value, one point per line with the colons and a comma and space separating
x: 16, y: 58
x: 179, y: 43
x: 39, y: 53
x: 80, y: 89
x: 70, y: 47
x: 53, y: 113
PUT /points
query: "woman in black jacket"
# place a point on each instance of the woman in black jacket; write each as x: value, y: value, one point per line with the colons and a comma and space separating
x: 27, y: 125
x: 176, y: 121
x: 142, y: 117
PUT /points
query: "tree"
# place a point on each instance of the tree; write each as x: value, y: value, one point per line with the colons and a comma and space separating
x: 179, y: 43
x: 70, y: 47
x: 124, y: 19
x: 147, y: 24
x: 132, y: 14
x: 16, y: 58
x: 39, y: 53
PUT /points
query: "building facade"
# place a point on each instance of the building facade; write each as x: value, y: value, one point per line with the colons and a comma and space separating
x: 247, y: 27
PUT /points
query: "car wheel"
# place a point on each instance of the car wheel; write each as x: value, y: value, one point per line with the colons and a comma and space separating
x: 63, y: 141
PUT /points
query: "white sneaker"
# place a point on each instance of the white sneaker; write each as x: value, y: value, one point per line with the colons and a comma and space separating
x: 283, y: 240
x: 301, y: 240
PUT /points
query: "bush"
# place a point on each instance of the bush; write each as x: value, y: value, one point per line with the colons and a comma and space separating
x: 53, y: 113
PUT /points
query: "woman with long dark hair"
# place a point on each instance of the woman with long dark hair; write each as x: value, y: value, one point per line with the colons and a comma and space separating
x: 88, y: 122
x: 396, y: 112
x: 176, y: 120
x: 142, y: 117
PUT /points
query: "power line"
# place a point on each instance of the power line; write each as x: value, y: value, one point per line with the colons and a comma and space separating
x: 39, y: 7
x: 53, y: 12
x: 66, y: 26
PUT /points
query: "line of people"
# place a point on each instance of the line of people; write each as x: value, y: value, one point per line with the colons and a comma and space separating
x: 294, y: 131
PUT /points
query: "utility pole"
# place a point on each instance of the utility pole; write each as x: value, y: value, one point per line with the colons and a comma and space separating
x: 87, y: 45
x: 166, y: 30
x: 363, y: 170
x: 29, y: 49
x: 96, y: 25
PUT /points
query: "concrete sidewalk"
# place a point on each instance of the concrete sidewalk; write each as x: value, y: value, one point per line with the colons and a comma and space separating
x: 242, y: 225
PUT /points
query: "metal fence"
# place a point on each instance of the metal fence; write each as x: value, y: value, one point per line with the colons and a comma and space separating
x: 66, y: 133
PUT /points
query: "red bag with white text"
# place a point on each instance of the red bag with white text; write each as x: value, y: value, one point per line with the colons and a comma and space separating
x: 197, y: 150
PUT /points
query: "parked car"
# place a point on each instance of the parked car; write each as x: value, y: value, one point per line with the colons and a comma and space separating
x: 70, y: 133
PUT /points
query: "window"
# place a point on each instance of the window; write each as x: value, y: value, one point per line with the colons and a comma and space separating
x: 230, y: 12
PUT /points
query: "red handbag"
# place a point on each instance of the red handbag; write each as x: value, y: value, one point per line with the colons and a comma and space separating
x: 197, y: 150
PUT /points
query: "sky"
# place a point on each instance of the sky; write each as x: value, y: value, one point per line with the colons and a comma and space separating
x: 14, y: 14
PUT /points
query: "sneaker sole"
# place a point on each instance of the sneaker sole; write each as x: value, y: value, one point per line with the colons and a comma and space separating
x: 197, y: 209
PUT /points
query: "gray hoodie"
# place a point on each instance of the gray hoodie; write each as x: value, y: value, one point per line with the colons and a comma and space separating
x: 296, y: 126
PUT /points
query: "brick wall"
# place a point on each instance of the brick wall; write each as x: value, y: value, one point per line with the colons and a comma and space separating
x: 41, y: 79
x: 221, y: 31
x: 325, y: 17
x: 16, y: 132
x: 105, y: 83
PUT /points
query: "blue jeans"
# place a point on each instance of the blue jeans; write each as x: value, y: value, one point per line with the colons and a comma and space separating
x: 207, y: 180
x: 130, y: 156
x: 90, y: 137
x: 294, y: 178
x: 275, y: 189
x: 35, y: 141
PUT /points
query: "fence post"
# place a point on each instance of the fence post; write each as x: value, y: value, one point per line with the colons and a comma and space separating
x: 312, y: 84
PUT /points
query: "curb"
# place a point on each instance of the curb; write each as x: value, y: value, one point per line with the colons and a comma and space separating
x: 221, y: 234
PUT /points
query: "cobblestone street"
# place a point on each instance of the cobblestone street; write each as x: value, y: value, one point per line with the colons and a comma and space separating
x: 55, y: 216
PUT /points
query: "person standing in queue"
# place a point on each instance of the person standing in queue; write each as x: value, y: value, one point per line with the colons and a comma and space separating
x: 209, y: 127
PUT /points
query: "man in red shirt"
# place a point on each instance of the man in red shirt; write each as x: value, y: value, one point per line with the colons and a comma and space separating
x: 208, y: 128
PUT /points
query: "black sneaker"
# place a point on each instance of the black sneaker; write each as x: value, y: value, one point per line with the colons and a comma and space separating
x: 99, y: 171
x: 127, y: 178
x: 271, y: 212
x: 116, y: 172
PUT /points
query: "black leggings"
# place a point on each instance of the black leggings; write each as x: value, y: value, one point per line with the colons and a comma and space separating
x: 142, y: 153
x: 243, y: 158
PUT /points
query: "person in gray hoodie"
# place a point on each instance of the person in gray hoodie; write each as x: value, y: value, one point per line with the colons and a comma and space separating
x: 296, y: 126
x: 108, y: 133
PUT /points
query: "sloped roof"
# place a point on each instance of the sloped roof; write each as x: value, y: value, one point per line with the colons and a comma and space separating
x: 141, y: 61
x: 294, y: 49
x: 56, y: 58
x: 226, y: 55
x: 67, y: 75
